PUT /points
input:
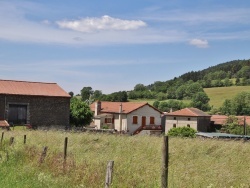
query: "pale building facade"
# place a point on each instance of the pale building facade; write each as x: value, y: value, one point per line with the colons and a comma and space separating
x: 126, y: 116
x: 188, y: 117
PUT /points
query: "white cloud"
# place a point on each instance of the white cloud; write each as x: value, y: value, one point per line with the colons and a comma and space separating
x: 199, y: 43
x: 164, y: 27
x: 103, y: 23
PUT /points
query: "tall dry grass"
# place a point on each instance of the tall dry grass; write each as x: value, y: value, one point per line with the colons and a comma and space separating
x: 137, y: 161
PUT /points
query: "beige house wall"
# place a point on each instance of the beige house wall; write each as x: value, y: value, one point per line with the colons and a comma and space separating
x: 123, y: 125
x: 98, y: 123
x: 146, y: 111
x: 127, y: 119
x: 180, y: 122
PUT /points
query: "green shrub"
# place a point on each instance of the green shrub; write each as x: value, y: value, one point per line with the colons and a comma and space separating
x: 105, y: 127
x: 182, y: 132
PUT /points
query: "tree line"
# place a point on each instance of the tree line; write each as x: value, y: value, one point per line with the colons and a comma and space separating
x: 168, y: 95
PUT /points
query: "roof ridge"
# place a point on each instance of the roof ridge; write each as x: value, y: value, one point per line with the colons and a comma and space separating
x: 28, y: 81
x: 189, y: 109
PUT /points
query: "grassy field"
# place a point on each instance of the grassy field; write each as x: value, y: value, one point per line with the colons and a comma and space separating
x: 217, y: 95
x: 137, y: 161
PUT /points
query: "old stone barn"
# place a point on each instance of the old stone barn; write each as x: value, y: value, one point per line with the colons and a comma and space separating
x: 35, y: 103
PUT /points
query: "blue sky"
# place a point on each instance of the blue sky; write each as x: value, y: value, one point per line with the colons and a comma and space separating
x: 114, y: 45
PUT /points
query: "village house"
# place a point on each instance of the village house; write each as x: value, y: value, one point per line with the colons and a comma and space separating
x: 127, y: 117
x: 35, y: 103
x: 188, y: 117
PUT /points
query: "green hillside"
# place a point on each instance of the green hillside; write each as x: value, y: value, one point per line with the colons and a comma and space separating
x: 217, y: 95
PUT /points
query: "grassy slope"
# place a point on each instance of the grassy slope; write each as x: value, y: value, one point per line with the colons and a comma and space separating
x: 219, y: 94
x: 192, y: 163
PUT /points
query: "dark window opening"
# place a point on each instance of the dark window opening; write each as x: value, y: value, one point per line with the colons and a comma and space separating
x: 135, y: 120
x: 174, y: 125
x: 108, y: 120
x: 152, y: 120
x: 17, y: 114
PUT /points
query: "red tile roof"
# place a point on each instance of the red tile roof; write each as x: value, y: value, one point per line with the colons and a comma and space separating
x: 4, y: 123
x: 13, y: 87
x: 221, y: 119
x: 190, y: 112
x: 114, y: 107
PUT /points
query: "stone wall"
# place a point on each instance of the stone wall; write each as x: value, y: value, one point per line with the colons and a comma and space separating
x: 42, y: 111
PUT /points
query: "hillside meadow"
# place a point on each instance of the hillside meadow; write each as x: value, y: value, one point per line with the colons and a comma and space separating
x: 218, y: 95
x: 137, y: 161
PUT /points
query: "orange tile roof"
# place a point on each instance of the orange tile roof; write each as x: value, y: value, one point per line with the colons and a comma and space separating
x: 13, y: 87
x: 191, y: 112
x: 221, y: 119
x: 241, y: 120
x: 4, y: 123
x: 114, y: 107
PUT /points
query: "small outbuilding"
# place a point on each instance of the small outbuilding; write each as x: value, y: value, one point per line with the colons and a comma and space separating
x: 188, y: 117
x: 38, y: 104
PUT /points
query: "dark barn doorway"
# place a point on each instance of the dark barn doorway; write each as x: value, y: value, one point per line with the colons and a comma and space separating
x: 17, y: 114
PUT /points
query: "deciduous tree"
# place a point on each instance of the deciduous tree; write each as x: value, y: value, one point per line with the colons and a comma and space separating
x: 200, y: 100
x: 80, y: 113
x: 86, y: 92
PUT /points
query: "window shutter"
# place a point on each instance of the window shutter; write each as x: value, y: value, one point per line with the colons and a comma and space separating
x: 152, y: 120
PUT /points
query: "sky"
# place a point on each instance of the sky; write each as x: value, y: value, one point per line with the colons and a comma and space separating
x: 113, y: 45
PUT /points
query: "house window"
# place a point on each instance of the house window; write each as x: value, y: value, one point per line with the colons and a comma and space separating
x: 188, y: 119
x: 135, y: 119
x: 174, y: 125
x: 152, y: 120
x: 108, y: 120
x: 174, y: 118
x: 188, y: 125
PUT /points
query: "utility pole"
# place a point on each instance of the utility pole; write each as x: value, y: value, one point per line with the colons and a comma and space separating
x: 245, y: 126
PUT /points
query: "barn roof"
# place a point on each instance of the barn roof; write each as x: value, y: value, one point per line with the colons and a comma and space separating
x: 190, y: 112
x: 4, y: 123
x: 127, y: 107
x: 221, y: 119
x: 13, y: 87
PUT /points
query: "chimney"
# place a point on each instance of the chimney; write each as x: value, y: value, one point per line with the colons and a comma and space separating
x: 120, y: 117
x: 97, y: 107
x: 120, y: 110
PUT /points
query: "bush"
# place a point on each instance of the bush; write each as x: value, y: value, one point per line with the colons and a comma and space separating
x: 105, y: 127
x: 182, y: 132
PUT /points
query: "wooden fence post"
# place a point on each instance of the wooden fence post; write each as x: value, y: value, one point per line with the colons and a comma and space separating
x: 2, y: 137
x: 24, y: 139
x: 65, y: 148
x: 43, y: 155
x: 109, y: 172
x: 11, y: 140
x: 164, y: 175
x: 65, y: 153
